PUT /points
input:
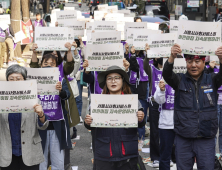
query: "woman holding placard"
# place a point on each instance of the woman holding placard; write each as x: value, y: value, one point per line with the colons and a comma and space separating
x: 20, y: 146
x: 115, y: 148
x: 56, y: 138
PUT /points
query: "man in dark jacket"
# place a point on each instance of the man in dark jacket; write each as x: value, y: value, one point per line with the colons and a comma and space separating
x: 195, y: 110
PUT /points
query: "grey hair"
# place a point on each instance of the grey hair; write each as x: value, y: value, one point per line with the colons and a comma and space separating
x: 15, y: 68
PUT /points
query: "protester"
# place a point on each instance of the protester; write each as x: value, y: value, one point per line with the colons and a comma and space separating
x: 9, y: 34
x: 20, y: 141
x: 2, y: 47
x: 38, y: 22
x: 40, y: 8
x: 61, y: 6
x: 35, y: 4
x: 164, y: 96
x: 137, y: 19
x: 56, y: 138
x: 155, y: 75
x: 195, y: 110
x: 2, y: 11
x: 110, y: 151
x: 139, y: 84
x: 8, y: 10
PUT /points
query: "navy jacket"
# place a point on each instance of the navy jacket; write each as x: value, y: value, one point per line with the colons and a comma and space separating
x: 61, y: 127
x: 115, y: 144
x: 195, y: 107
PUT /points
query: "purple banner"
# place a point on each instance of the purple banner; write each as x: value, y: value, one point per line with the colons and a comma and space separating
x: 52, y: 107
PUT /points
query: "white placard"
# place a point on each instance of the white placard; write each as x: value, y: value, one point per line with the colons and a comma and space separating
x: 136, y: 25
x: 19, y: 36
x: 49, y: 39
x: 199, y: 38
x: 113, y: 8
x: 101, y: 26
x: 69, y: 8
x: 140, y: 38
x: 129, y: 37
x: 160, y: 45
x: 215, y: 58
x: 66, y: 15
x: 121, y: 25
x: 106, y: 37
x: 5, y: 18
x: 98, y: 15
x: 174, y: 24
x: 103, y: 7
x: 54, y: 11
x: 102, y: 56
x: 114, y: 111
x: 78, y: 27
x: 46, y: 79
x: 152, y: 26
x: 89, y: 38
x: 179, y: 65
x: 193, y: 3
x: 18, y: 96
x: 114, y: 17
x: 3, y: 25
x: 89, y: 27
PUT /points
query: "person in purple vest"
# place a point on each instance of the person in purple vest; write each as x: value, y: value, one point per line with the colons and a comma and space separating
x: 164, y: 96
x: 139, y: 84
x: 115, y: 148
x: 155, y: 75
x: 38, y: 22
x: 91, y: 77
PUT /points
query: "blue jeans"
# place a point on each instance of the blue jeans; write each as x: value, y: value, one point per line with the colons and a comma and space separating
x: 166, y: 145
x: 141, y: 131
x: 219, y: 115
x: 79, y: 98
x: 52, y: 146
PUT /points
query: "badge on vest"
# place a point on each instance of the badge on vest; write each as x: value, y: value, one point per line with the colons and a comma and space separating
x: 208, y: 91
x: 206, y: 87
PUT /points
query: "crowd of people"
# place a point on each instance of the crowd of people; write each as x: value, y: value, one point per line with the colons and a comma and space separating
x: 186, y: 125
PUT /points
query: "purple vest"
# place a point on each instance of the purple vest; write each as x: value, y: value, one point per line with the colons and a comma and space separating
x: 169, y: 104
x: 81, y: 61
x: 52, y: 107
x: 151, y: 61
x: 156, y: 77
x: 2, y: 33
x: 39, y: 24
x: 143, y: 75
x: 97, y: 89
x: 61, y: 75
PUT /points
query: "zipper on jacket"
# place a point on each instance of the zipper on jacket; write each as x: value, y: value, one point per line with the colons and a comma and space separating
x: 196, y: 94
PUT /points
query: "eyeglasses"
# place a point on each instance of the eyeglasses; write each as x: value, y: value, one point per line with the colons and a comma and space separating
x: 116, y: 78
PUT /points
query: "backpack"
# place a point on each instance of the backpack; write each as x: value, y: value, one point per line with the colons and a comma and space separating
x: 140, y: 164
x: 217, y: 165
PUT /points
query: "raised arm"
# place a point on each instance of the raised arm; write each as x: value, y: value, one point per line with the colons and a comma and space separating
x: 169, y: 76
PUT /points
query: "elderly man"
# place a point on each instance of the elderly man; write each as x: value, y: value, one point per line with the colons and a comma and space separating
x: 195, y: 110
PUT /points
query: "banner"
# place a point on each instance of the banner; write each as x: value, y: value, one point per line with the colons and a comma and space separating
x: 46, y: 79
x: 101, y: 26
x: 66, y: 15
x: 49, y: 39
x: 174, y: 24
x: 102, y: 56
x: 160, y: 45
x: 136, y: 25
x: 114, y: 111
x: 5, y: 19
x: 199, y: 38
x: 18, y: 96
x: 106, y: 37
x: 28, y: 31
x: 140, y: 38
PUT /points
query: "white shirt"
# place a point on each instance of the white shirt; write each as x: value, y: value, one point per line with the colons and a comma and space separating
x: 166, y: 116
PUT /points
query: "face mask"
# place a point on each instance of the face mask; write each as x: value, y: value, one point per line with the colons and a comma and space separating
x: 160, y: 61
